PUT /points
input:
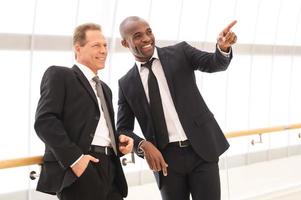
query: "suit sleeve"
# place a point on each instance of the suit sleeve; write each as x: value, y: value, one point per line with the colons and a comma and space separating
x: 126, y: 118
x: 49, y: 116
x: 206, y: 61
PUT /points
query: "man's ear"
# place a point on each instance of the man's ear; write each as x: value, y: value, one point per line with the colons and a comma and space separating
x: 77, y: 48
x: 124, y: 43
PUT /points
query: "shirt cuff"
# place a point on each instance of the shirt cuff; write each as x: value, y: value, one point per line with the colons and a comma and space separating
x: 139, y: 149
x: 226, y: 54
x: 76, y: 161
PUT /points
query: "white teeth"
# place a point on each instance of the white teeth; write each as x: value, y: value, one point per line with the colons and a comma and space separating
x: 147, y: 46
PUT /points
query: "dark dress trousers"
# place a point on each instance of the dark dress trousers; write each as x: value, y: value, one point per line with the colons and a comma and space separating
x: 66, y: 120
x: 179, y: 63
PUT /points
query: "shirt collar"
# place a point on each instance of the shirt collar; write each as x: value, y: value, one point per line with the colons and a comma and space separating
x: 155, y: 55
x: 89, y: 74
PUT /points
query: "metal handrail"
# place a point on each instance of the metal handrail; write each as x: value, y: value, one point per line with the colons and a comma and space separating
x: 38, y: 159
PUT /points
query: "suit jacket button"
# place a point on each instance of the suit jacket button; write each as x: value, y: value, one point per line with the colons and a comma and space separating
x: 97, y: 118
x: 91, y: 135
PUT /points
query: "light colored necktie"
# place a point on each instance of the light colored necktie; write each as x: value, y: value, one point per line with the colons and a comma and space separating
x: 105, y: 111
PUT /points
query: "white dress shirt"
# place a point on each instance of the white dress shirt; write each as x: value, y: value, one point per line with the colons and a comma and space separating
x: 174, y: 126
x: 101, y: 137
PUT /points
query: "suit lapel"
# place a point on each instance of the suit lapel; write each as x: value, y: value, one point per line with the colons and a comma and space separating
x: 83, y: 80
x: 138, y: 91
x: 166, y: 65
x: 139, y: 100
x: 139, y: 87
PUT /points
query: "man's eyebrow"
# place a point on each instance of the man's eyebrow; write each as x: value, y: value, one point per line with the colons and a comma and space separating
x: 137, y: 33
x: 97, y: 42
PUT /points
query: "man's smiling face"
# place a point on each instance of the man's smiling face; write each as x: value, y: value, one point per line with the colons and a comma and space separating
x: 139, y: 38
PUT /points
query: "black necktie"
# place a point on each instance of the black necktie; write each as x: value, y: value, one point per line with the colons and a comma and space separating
x: 156, y: 107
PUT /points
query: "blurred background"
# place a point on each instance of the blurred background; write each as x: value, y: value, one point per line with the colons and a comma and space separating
x: 261, y: 88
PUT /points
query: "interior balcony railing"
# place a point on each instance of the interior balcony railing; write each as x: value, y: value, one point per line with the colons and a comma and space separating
x: 38, y: 160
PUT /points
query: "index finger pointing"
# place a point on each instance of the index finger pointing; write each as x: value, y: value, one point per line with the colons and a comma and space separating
x: 227, y: 29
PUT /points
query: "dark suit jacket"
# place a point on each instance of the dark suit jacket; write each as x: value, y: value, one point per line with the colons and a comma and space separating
x: 66, y: 120
x: 179, y: 63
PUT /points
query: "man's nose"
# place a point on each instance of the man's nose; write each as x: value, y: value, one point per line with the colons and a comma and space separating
x: 146, y: 38
x: 103, y: 49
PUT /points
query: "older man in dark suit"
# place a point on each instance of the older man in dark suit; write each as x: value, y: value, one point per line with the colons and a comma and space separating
x: 75, y: 120
x: 182, y: 141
